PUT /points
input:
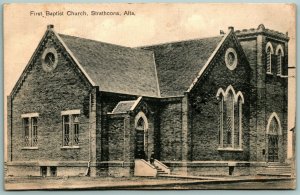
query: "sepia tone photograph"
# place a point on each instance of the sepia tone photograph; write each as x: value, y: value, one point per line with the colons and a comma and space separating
x: 153, y: 96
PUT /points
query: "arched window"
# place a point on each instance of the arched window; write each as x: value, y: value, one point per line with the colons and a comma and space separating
x: 140, y: 124
x: 221, y: 118
x: 238, y: 120
x: 269, y: 51
x: 274, y: 125
x: 280, y: 54
x: 230, y: 118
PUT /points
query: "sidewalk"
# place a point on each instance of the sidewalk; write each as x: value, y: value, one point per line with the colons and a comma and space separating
x: 87, y: 183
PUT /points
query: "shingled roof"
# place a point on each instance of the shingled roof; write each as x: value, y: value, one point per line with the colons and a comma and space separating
x: 179, y: 63
x: 123, y: 106
x: 132, y: 70
x: 115, y: 68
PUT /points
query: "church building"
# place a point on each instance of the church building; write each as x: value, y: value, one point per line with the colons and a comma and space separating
x: 208, y: 106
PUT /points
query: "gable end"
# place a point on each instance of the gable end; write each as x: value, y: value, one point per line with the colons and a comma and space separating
x: 49, y: 34
x: 204, y: 70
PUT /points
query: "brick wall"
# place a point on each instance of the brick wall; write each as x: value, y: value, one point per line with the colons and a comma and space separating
x: 171, y: 131
x: 116, y: 139
x: 49, y: 93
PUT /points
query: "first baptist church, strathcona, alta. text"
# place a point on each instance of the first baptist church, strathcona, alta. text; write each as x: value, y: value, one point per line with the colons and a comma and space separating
x: 208, y: 106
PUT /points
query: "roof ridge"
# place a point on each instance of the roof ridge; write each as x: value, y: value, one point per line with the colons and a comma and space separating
x: 182, y: 41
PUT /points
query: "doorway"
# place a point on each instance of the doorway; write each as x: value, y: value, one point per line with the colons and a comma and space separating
x: 273, y: 148
x: 141, y: 137
x: 273, y: 132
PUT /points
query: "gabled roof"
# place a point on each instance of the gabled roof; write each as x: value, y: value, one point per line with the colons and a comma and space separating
x: 169, y: 69
x: 123, y: 107
x: 179, y: 63
x: 115, y: 68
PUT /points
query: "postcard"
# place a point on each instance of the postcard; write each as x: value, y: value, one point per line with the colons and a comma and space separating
x: 149, y: 96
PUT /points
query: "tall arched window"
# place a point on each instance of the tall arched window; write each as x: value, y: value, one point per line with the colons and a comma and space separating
x: 230, y: 118
x: 280, y: 54
x: 221, y: 118
x: 238, y: 121
x: 269, y: 51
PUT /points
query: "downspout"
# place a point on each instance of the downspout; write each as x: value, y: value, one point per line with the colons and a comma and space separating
x: 88, y: 165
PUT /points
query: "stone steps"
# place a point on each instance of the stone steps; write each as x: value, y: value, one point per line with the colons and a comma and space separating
x: 277, y: 169
x: 160, y: 171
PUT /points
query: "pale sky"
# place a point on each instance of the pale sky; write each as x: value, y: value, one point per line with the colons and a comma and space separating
x: 151, y: 24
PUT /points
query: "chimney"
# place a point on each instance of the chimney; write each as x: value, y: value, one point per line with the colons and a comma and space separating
x: 231, y: 28
x: 50, y: 26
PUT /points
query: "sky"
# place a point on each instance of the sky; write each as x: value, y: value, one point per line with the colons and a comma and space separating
x: 151, y: 24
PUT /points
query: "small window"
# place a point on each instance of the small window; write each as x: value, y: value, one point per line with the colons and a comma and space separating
x: 53, y: 171
x: 231, y: 58
x: 30, y: 129
x: 71, y: 127
x: 43, y: 171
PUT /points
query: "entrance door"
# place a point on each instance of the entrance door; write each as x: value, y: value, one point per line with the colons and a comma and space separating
x: 273, y: 148
x: 139, y: 144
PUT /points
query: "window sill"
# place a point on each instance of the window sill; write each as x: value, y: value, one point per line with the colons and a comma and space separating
x: 231, y: 149
x: 284, y: 76
x: 269, y: 73
x: 69, y: 147
x: 30, y: 148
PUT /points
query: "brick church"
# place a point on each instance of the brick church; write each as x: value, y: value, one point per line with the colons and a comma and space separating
x: 208, y: 106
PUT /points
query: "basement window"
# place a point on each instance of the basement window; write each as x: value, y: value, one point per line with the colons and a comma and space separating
x: 53, y: 171
x: 43, y: 171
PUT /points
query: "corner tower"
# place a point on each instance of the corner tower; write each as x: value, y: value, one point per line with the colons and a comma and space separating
x: 267, y: 52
